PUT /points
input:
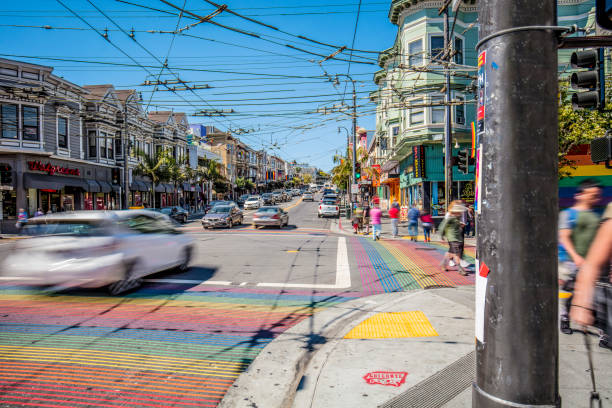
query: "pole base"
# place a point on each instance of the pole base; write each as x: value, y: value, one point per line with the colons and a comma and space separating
x: 482, y: 399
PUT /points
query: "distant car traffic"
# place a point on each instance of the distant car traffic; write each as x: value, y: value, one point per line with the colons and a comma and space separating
x: 240, y: 201
x: 278, y: 197
x: 176, y: 213
x: 253, y: 202
x: 268, y: 199
x: 329, y: 208
x: 97, y: 248
x: 270, y: 216
x: 307, y: 196
x: 222, y: 216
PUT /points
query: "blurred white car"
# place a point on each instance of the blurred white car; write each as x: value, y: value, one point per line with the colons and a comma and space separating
x: 96, y: 248
x: 253, y: 202
x: 329, y: 208
x: 307, y: 197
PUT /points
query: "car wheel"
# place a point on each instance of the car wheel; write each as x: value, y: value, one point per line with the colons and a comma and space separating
x: 241, y: 221
x: 319, y: 215
x: 185, y: 258
x: 230, y: 224
x: 127, y: 283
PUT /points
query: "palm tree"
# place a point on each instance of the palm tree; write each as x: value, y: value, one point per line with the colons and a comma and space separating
x: 155, y: 167
x: 341, y: 173
x: 176, y: 174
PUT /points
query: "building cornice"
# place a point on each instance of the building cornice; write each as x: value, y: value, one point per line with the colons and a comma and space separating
x: 399, y: 6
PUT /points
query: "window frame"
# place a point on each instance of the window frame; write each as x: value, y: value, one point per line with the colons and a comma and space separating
x: 461, y: 52
x: 432, y: 109
x: 431, y: 49
x: 92, y: 135
x: 24, y: 126
x: 59, y: 144
x: 417, y: 55
x: 420, y: 110
x: 2, y: 123
x: 461, y: 97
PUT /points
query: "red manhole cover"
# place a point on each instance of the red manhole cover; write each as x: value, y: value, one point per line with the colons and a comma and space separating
x: 392, y: 378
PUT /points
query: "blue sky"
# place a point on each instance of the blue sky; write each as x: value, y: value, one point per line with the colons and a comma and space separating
x: 274, y: 89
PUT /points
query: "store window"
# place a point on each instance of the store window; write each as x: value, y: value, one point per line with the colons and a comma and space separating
x: 9, y: 204
x: 415, y: 53
x: 29, y: 118
x: 436, y: 47
x: 62, y: 132
x: 8, y: 114
x: 437, y: 109
x: 109, y: 148
x: 118, y: 149
x: 417, y: 113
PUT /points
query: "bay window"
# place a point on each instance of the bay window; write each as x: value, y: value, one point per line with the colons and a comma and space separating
x: 8, y: 113
x: 29, y: 118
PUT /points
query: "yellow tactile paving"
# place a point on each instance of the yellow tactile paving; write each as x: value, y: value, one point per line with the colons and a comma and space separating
x: 393, y: 325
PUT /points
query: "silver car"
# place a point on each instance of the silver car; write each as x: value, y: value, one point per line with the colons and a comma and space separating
x: 253, y: 202
x: 222, y: 216
x: 95, y: 249
x: 270, y: 216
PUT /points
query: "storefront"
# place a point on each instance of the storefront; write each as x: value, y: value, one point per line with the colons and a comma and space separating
x: 390, y: 184
x: 53, y: 185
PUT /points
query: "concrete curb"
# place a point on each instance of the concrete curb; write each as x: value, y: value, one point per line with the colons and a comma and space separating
x: 274, y: 376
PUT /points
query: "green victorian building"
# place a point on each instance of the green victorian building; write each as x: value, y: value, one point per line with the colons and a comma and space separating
x: 408, y: 144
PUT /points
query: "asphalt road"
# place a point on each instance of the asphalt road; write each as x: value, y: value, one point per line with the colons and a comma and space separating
x: 182, y: 339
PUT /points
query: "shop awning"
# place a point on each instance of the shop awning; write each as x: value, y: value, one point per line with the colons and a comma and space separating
x: 389, y: 165
x: 136, y: 185
x: 43, y: 181
x: 116, y: 188
x: 198, y: 188
x: 106, y: 187
x: 93, y: 186
x: 169, y: 188
x: 186, y: 187
x: 146, y: 185
x: 160, y: 188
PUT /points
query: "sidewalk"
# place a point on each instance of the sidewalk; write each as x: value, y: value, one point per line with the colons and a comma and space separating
x: 407, y: 349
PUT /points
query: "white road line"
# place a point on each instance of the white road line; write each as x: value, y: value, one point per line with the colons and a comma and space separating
x: 189, y: 281
x: 343, y: 273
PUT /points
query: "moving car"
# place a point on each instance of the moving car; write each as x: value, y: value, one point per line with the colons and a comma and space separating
x: 331, y: 197
x: 93, y: 249
x: 329, y: 208
x: 253, y: 202
x: 222, y: 216
x: 278, y: 197
x: 273, y: 215
x: 268, y: 199
x: 307, y: 196
x: 240, y: 201
x: 176, y: 213
x: 215, y: 203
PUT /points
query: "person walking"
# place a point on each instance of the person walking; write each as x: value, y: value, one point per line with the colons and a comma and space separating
x: 375, y: 216
x: 427, y: 223
x: 39, y: 212
x: 357, y: 218
x: 595, y: 266
x: 394, y: 213
x: 451, y: 229
x: 413, y: 222
x: 365, y: 222
x: 22, y: 219
x: 577, y: 228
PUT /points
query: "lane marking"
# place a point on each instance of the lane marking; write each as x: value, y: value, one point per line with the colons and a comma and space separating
x: 343, y: 273
x: 189, y: 281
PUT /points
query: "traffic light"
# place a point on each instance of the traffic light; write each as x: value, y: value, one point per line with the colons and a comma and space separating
x: 357, y: 171
x: 593, y: 79
x: 601, y: 149
x: 463, y: 161
x: 6, y: 175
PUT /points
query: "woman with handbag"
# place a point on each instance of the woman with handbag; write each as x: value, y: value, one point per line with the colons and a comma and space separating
x: 592, y: 303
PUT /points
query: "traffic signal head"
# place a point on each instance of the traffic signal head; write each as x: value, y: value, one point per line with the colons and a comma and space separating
x: 357, y: 171
x: 463, y: 161
x: 593, y: 80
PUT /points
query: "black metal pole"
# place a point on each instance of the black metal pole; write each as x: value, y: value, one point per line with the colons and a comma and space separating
x: 448, y: 131
x: 126, y: 155
x: 354, y: 198
x: 517, y: 335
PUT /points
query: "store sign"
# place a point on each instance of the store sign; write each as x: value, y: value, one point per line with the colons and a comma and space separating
x: 418, y: 168
x: 52, y: 169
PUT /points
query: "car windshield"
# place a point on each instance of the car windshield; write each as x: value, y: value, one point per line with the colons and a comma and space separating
x: 221, y: 209
x: 244, y: 196
x: 267, y: 195
x: 329, y: 202
x: 267, y: 210
x: 61, y: 227
x: 253, y: 198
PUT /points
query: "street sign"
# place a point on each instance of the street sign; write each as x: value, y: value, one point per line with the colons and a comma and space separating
x: 354, y: 188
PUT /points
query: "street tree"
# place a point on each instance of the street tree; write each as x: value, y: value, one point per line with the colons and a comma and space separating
x: 307, y: 178
x: 154, y: 166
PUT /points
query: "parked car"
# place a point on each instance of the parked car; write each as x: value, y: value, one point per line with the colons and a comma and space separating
x: 268, y: 199
x: 240, y: 201
x: 331, y: 197
x: 176, y: 213
x: 222, y: 216
x: 94, y: 249
x: 329, y: 208
x: 270, y: 216
x: 253, y: 202
x: 307, y: 196
x: 289, y: 194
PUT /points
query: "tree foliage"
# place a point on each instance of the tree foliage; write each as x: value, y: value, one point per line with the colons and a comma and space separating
x: 577, y: 127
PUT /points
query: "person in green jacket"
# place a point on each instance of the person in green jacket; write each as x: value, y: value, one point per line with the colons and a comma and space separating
x: 451, y: 229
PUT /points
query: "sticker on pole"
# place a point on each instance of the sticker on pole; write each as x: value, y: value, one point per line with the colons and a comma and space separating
x: 481, y: 291
x: 480, y: 111
x: 389, y: 378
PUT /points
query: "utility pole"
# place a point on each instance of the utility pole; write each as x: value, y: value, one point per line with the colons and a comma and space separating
x: 517, y: 347
x: 126, y: 155
x: 448, y: 147
x: 354, y: 138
